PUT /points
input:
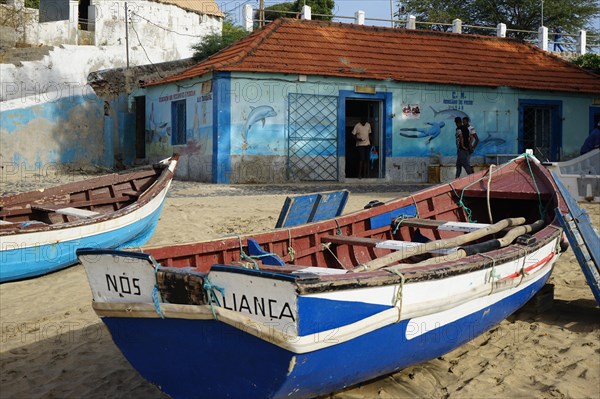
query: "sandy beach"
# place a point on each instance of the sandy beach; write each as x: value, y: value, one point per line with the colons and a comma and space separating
x: 54, y: 346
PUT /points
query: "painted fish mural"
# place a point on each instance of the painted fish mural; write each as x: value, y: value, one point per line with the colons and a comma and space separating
x: 431, y: 132
x: 260, y: 113
x: 448, y: 113
x: 490, y: 142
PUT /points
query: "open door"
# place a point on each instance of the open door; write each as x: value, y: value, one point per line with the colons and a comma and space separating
x: 373, y: 111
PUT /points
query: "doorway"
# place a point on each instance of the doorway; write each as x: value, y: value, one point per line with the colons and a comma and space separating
x: 373, y: 111
x: 540, y: 129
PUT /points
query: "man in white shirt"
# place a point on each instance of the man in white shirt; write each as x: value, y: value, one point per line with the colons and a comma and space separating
x: 362, y: 133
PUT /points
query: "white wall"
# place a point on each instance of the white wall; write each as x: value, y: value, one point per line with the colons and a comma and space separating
x: 153, y: 25
x: 65, y: 68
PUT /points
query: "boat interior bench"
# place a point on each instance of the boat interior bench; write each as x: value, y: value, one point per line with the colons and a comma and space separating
x: 394, y: 245
x: 68, y: 211
x: 442, y: 225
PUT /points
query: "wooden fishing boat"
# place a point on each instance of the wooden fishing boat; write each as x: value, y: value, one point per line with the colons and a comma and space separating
x: 40, y: 230
x: 304, y: 311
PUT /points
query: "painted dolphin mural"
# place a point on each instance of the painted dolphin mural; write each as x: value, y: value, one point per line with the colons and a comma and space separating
x: 431, y: 132
x: 448, y: 113
x: 260, y: 113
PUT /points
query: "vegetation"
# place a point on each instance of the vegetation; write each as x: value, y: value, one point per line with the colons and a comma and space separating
x: 589, y: 61
x: 525, y: 15
x: 32, y: 4
x: 216, y: 41
x: 291, y: 9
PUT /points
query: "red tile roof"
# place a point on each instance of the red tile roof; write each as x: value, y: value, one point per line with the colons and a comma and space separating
x: 367, y: 52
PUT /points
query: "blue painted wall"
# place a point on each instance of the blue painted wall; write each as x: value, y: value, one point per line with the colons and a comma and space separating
x: 245, y: 117
x: 65, y: 130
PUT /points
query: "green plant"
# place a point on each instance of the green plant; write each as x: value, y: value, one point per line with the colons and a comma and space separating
x: 588, y: 61
x: 214, y: 42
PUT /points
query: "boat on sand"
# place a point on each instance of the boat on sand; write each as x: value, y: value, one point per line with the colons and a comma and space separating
x: 307, y: 310
x: 40, y: 230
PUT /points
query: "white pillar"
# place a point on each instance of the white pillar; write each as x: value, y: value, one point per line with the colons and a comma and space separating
x: 306, y: 13
x: 359, y: 17
x: 247, y: 14
x: 501, y: 30
x: 411, y: 22
x: 457, y: 26
x: 543, y: 38
x: 581, y: 42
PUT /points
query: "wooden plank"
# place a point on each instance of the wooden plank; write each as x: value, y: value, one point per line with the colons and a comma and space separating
x: 349, y: 240
x: 80, y: 213
x: 394, y: 245
x: 443, y: 225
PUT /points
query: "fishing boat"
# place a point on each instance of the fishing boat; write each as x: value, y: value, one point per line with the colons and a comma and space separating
x: 580, y: 175
x: 311, y: 309
x: 40, y: 230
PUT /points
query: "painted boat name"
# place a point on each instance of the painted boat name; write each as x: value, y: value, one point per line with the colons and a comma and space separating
x: 259, y: 306
x: 123, y: 285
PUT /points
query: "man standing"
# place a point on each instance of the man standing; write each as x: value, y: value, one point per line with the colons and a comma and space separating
x: 592, y: 141
x: 473, y: 138
x: 362, y: 133
x: 463, y: 148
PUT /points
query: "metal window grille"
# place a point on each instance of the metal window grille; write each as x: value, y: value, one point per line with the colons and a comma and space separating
x: 312, y: 138
x: 537, y: 131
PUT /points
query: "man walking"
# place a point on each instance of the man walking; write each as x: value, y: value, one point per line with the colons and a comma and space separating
x: 463, y: 148
x: 473, y: 137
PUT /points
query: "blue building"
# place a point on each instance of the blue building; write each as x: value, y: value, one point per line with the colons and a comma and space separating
x: 280, y: 104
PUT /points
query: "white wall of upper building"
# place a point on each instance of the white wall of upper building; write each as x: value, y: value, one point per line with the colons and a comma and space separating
x: 152, y: 25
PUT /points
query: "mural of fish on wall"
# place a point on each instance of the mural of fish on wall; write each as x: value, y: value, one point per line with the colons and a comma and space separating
x: 449, y: 113
x: 257, y: 114
x: 431, y: 132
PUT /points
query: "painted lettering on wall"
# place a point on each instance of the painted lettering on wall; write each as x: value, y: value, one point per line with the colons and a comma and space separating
x: 260, y: 306
x: 177, y: 96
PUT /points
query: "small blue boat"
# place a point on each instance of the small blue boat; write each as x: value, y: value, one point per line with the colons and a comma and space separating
x: 40, y: 230
x: 307, y: 310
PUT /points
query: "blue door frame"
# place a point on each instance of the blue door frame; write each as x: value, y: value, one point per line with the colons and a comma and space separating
x: 594, y: 117
x: 386, y: 144
x: 555, y: 125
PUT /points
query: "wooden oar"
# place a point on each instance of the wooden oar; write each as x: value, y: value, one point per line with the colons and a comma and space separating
x: 386, y: 260
x: 464, y: 252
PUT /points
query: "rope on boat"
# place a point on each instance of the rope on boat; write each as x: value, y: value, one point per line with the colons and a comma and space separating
x: 339, y: 229
x: 540, y: 206
x: 461, y: 204
x: 493, y: 273
x: 155, y: 291
x: 488, y: 194
x: 252, y: 258
x: 398, y: 297
x: 209, y: 288
x: 469, y: 212
x: 327, y: 245
x: 291, y: 250
x: 523, y: 272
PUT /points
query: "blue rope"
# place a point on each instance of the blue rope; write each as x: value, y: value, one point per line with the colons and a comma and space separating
x: 212, y: 297
x: 156, y: 293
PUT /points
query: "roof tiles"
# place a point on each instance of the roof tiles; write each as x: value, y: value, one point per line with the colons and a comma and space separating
x: 366, y: 52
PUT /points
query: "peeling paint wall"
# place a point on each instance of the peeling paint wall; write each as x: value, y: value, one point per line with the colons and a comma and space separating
x: 67, y: 130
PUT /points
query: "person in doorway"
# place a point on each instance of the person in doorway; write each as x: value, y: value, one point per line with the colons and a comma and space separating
x: 558, y: 39
x: 592, y: 141
x: 463, y: 148
x: 362, y: 134
x: 473, y: 138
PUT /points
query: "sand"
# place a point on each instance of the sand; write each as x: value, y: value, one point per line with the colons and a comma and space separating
x: 54, y: 346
